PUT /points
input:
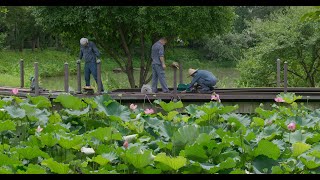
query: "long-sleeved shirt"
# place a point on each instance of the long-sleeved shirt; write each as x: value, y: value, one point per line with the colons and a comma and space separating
x: 202, y: 74
x: 156, y: 52
x: 90, y: 52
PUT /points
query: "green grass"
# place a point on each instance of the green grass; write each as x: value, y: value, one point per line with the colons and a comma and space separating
x: 51, y: 69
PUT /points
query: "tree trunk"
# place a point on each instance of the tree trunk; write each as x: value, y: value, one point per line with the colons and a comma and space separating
x: 142, y: 62
x: 38, y: 42
x: 129, y: 66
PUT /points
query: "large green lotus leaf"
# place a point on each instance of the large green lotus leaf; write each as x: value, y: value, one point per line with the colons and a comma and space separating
x: 192, y: 168
x: 268, y: 149
x: 276, y: 170
x: 167, y: 129
x: 91, y: 102
x: 299, y: 148
x: 280, y: 143
x: 55, y: 128
x: 309, y: 121
x: 296, y: 136
x: 151, y: 170
x: 35, y: 114
x: 7, y: 125
x: 33, y: 169
x: 173, y: 162
x: 15, y: 112
x: 213, y: 168
x: 171, y: 105
x: 310, y: 161
x: 171, y: 115
x: 32, y: 141
x: 74, y: 142
x: 3, y: 103
x: 54, y: 166
x: 185, y: 134
x: 117, y: 110
x: 258, y: 121
x: 100, y: 160
x: 104, y: 134
x: 70, y: 102
x: 227, y: 109
x: 192, y: 109
x: 270, y: 132
x: 48, y: 139
x: 31, y: 152
x: 6, y: 170
x: 265, y: 114
x: 230, y: 153
x: 55, y: 118
x: 238, y: 119
x: 263, y: 164
x: 78, y: 113
x: 238, y: 171
x: 196, y: 152
x: 40, y: 101
x: 138, y: 158
x: 315, y: 151
x: 5, y: 160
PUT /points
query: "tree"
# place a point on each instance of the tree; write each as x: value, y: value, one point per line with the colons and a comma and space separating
x: 124, y: 32
x: 283, y: 36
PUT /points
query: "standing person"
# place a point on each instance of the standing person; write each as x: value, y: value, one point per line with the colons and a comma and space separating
x: 205, y: 79
x: 158, y: 66
x: 91, y: 55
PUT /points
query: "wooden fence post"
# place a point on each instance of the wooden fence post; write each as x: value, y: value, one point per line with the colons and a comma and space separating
x: 79, y: 76
x: 66, y: 77
x: 99, y: 82
x: 278, y: 73
x: 181, y: 72
x: 36, y: 79
x: 285, y: 77
x: 21, y: 73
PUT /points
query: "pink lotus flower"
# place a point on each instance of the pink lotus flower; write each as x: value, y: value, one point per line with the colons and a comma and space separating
x: 15, y: 91
x: 39, y: 129
x: 215, y: 97
x: 126, y: 144
x: 149, y: 111
x: 292, y: 126
x: 133, y: 107
x: 279, y: 99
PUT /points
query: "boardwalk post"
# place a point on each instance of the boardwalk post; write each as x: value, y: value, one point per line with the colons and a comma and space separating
x: 285, y: 76
x: 21, y: 73
x: 66, y: 77
x: 99, y: 76
x: 278, y: 73
x: 175, y: 66
x: 180, y: 72
x: 36, y: 79
x: 79, y: 75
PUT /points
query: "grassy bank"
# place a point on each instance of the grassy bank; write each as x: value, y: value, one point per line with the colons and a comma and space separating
x: 51, y: 68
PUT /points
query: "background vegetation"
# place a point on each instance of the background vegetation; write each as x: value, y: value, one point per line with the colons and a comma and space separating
x: 238, y: 44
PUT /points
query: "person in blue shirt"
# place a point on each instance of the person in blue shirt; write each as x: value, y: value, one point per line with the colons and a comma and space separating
x: 158, y: 66
x: 203, y: 78
x: 91, y: 55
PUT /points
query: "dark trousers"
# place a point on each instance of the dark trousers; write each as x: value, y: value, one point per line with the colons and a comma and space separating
x: 91, y: 68
x: 206, y: 86
x: 158, y: 74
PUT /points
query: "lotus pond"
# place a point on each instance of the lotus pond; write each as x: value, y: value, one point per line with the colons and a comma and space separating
x: 101, y: 136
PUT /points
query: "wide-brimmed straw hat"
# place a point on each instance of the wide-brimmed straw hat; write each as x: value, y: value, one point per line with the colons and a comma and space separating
x: 192, y: 71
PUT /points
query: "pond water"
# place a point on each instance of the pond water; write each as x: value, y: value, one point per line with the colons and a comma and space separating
x: 226, y: 76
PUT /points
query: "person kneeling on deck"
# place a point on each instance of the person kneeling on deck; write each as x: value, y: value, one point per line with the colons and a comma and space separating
x: 205, y: 79
x: 91, y: 55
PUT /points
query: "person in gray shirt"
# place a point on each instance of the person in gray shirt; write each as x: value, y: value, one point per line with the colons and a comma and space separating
x: 205, y: 79
x: 91, y: 55
x: 158, y: 66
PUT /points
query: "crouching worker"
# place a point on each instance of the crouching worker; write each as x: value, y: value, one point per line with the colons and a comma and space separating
x: 205, y: 79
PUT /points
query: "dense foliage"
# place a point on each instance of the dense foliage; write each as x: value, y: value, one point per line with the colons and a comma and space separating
x: 100, y: 135
x: 283, y: 36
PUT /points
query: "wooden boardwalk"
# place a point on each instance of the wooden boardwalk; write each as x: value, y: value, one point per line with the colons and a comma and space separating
x: 247, y: 98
